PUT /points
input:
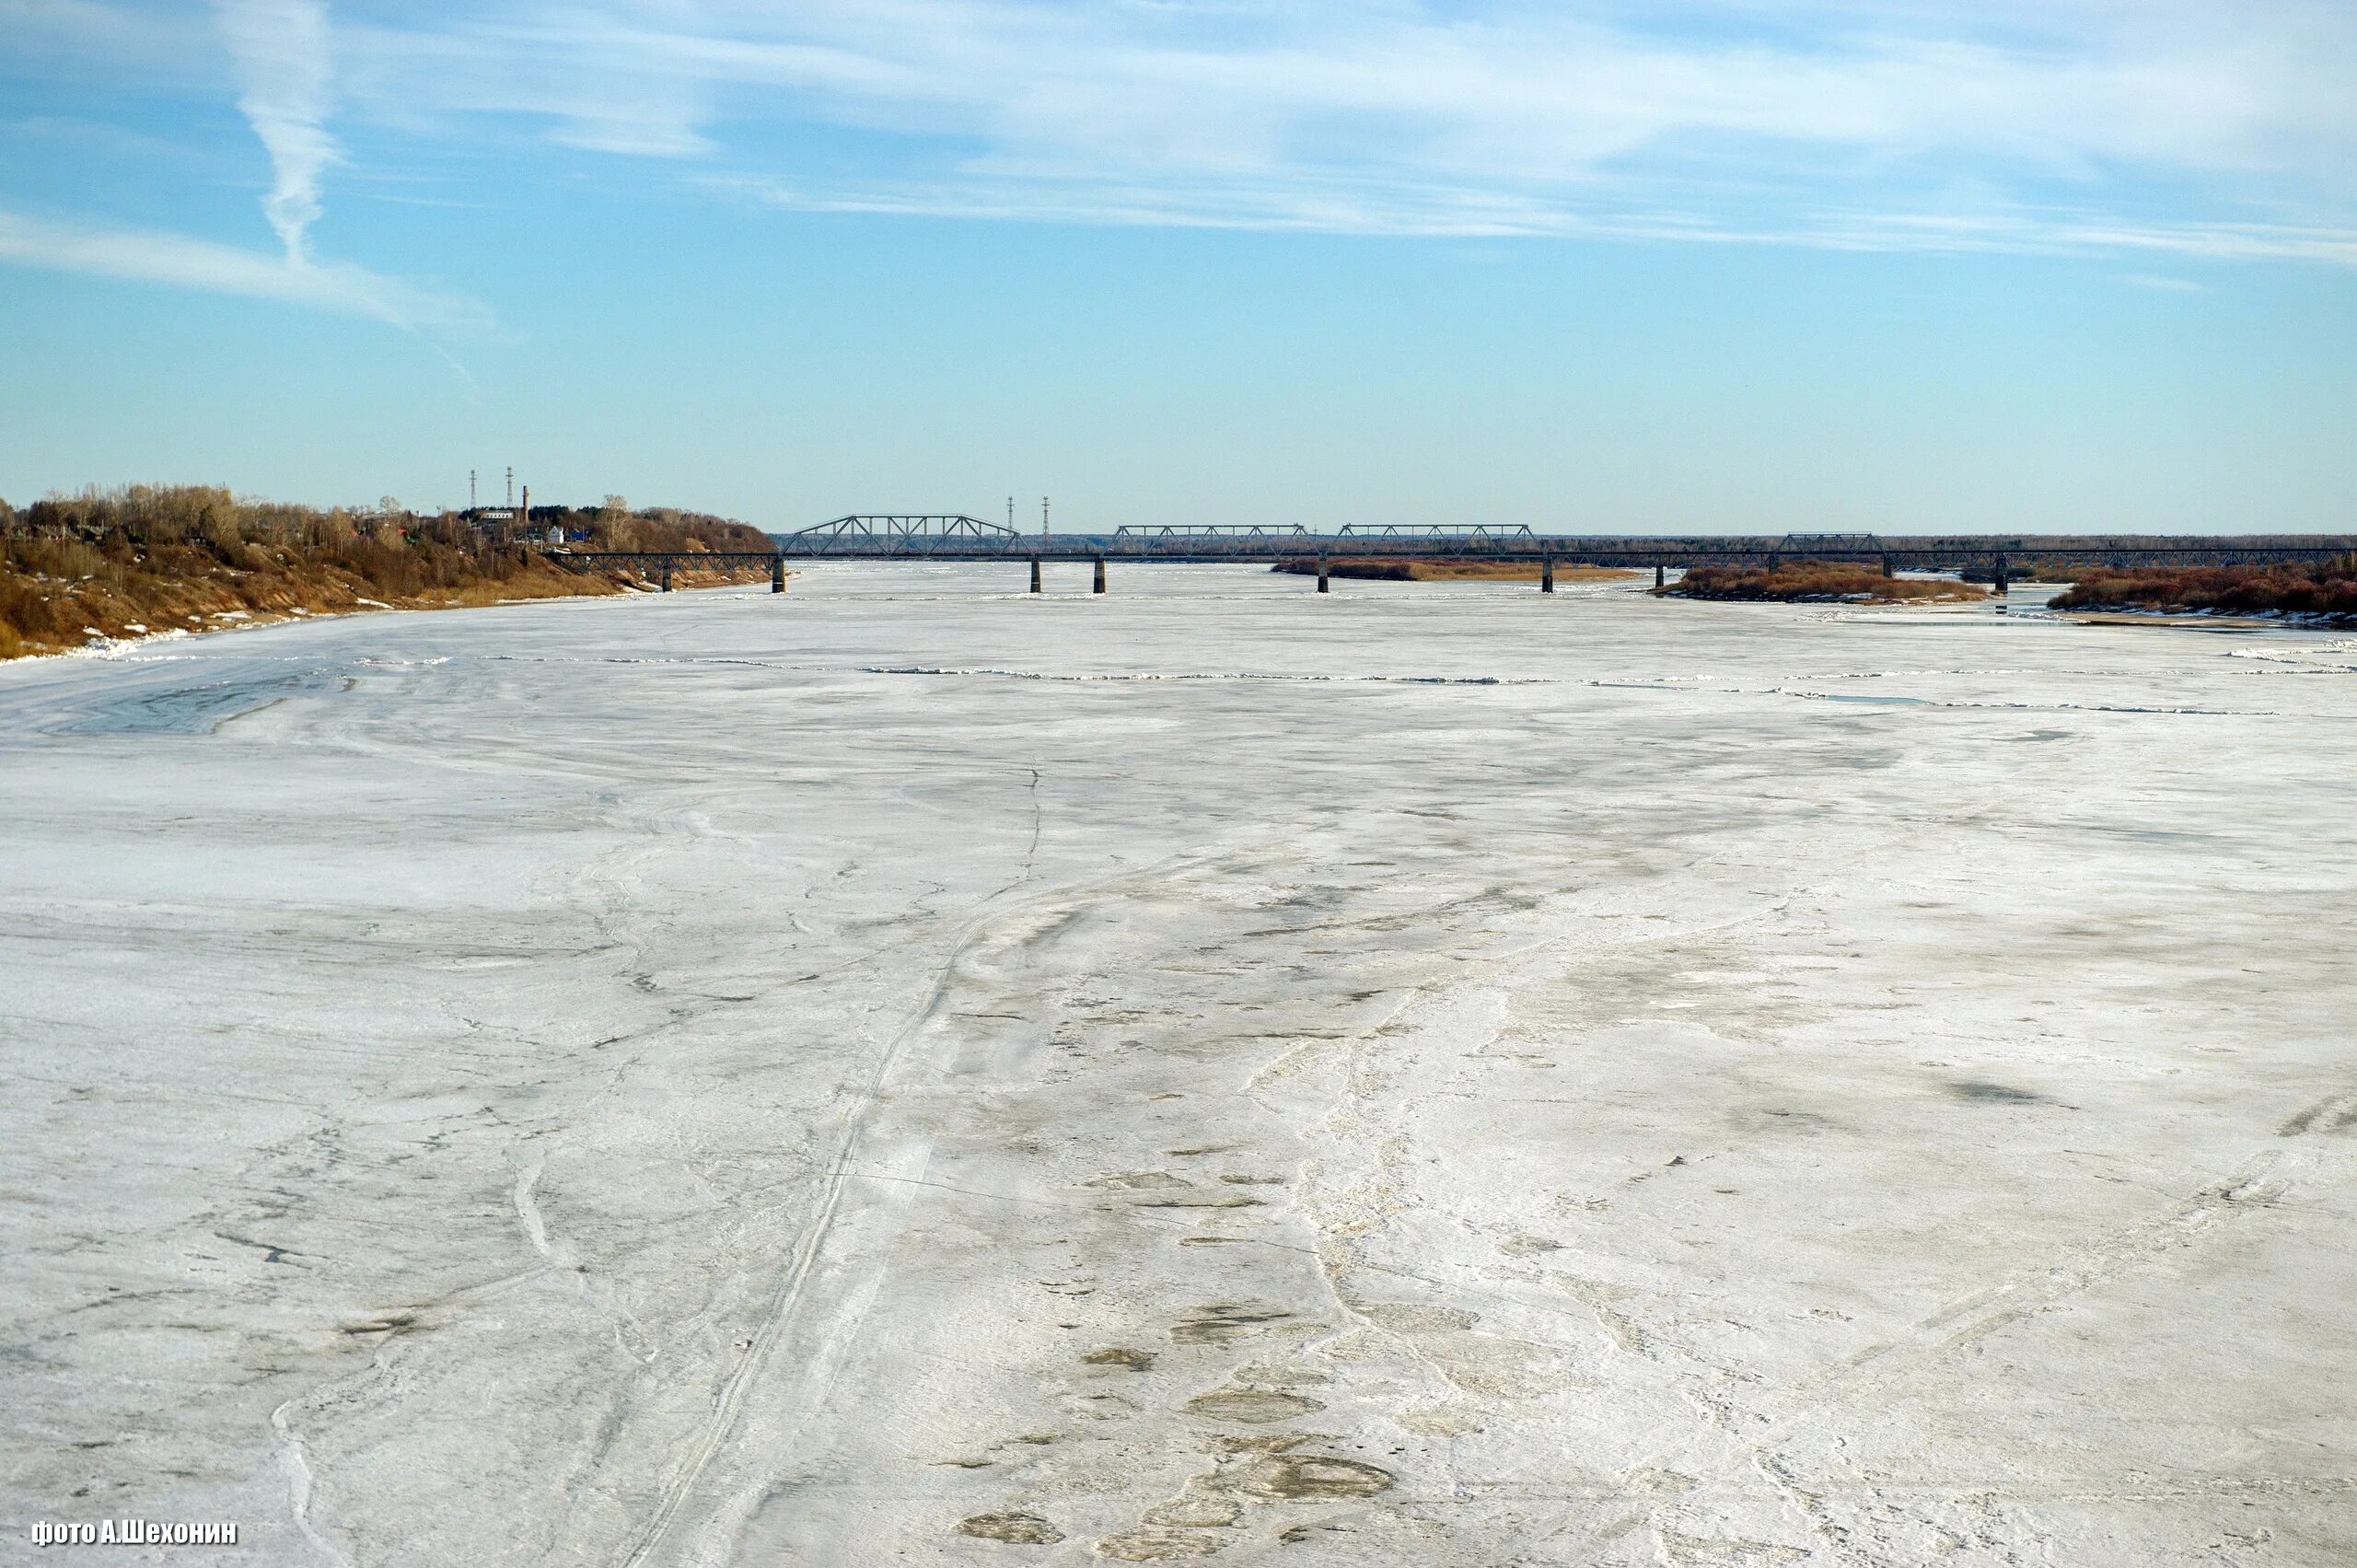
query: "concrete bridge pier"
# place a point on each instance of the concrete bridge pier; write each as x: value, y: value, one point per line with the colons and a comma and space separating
x: 1546, y: 574
x: 1890, y: 567
x: 1661, y: 576
x: 1997, y: 579
x: 666, y: 575
x: 1035, y: 574
x: 1100, y: 575
x: 777, y: 576
x: 1322, y: 574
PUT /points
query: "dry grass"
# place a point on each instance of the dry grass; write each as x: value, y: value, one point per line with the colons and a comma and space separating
x: 2327, y: 589
x: 131, y: 563
x: 1387, y: 570
x: 1814, y: 581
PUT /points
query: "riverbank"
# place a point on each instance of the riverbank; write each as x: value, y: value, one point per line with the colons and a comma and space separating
x: 106, y: 567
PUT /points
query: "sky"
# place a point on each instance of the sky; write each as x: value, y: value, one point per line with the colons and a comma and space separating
x: 1906, y: 266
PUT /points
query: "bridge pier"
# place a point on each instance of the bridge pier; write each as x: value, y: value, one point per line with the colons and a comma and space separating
x: 1035, y: 574
x: 1546, y: 574
x: 1661, y: 576
x: 1889, y: 568
x: 666, y: 573
x: 1997, y: 579
x: 777, y: 575
x: 1100, y: 575
x: 1322, y: 574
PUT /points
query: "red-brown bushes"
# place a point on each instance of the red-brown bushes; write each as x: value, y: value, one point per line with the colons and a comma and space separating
x: 155, y: 558
x: 1804, y: 580
x: 2327, y: 588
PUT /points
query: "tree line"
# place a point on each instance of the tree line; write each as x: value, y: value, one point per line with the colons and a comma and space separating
x: 136, y: 560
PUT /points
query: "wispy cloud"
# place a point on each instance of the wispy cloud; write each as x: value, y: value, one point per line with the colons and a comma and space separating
x: 281, y: 50
x: 2178, y: 126
x: 183, y: 261
x: 2072, y: 123
x: 285, y: 73
x: 1337, y: 207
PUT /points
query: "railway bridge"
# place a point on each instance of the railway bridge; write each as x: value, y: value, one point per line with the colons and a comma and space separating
x: 956, y: 537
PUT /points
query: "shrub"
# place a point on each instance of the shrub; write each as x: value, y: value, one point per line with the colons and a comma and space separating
x: 161, y: 555
x: 2325, y: 589
x: 1812, y: 580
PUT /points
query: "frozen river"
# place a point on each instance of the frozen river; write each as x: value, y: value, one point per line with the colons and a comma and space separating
x: 907, y: 1073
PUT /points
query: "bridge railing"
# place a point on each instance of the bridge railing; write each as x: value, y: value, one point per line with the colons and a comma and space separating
x: 1444, y: 532
x: 1211, y: 531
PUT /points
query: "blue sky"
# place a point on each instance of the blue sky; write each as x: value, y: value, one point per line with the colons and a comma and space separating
x: 1910, y: 265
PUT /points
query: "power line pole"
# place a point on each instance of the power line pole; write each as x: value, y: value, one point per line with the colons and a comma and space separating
x: 511, y: 485
x: 470, y: 490
x: 1043, y: 516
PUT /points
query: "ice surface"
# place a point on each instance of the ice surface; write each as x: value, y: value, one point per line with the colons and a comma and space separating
x: 1437, y: 1074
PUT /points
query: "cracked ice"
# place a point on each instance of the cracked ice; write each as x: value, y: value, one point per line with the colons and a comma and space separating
x: 1435, y: 1073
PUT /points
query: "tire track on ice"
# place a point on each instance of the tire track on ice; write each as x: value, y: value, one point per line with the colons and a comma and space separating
x: 779, y: 1320
x: 788, y: 1298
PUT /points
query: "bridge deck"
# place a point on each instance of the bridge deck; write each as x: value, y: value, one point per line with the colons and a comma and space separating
x: 988, y: 542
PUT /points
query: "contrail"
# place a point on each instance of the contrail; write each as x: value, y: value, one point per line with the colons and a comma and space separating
x: 281, y: 48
